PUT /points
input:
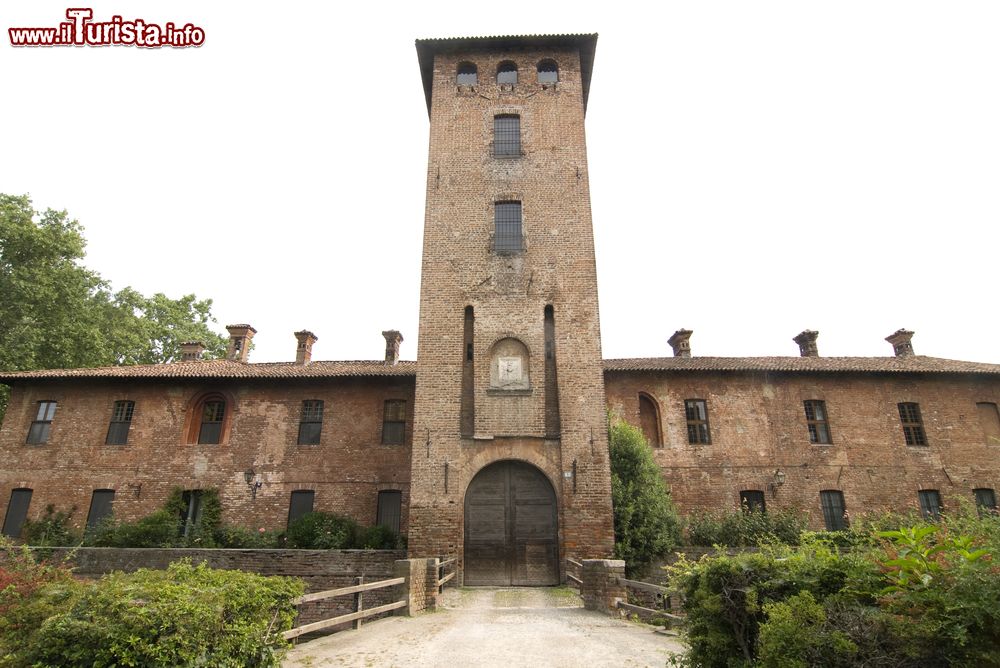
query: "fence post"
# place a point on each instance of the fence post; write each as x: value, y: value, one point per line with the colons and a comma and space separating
x: 358, y: 600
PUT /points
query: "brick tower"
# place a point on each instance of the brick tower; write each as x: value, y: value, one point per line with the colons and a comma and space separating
x: 510, y: 463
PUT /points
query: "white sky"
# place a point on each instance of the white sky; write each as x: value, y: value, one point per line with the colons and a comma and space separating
x: 757, y: 168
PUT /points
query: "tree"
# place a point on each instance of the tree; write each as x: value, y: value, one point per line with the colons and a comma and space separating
x: 646, y: 522
x: 56, y: 313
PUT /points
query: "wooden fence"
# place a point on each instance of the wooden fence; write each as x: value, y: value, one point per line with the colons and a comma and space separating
x: 664, y: 598
x: 359, y: 613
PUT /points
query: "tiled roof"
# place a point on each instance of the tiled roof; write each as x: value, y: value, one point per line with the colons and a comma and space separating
x: 910, y: 364
x: 369, y: 368
x: 225, y: 369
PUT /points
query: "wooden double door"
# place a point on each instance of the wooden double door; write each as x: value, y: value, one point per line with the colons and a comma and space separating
x: 511, y: 527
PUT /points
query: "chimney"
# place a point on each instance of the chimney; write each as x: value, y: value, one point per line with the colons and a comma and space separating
x: 900, y: 340
x: 239, y: 342
x: 304, y: 351
x: 392, y: 341
x: 807, y: 343
x: 681, y: 342
x: 191, y: 351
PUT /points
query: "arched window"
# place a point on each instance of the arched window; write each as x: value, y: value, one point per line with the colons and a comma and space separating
x: 548, y: 72
x: 649, y: 420
x: 208, y: 419
x: 507, y: 73
x: 467, y: 75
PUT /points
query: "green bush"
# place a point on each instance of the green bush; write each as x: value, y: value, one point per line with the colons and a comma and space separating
x: 159, y: 529
x: 380, y: 537
x: 243, y: 538
x: 322, y: 531
x: 183, y: 616
x: 51, y: 530
x: 739, y: 528
x: 924, y: 595
x: 646, y: 522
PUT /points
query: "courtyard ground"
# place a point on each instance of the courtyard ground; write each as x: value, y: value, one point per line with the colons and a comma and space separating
x: 506, y: 627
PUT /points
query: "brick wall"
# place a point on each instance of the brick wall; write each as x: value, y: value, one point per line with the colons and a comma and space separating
x: 758, y: 426
x: 347, y: 469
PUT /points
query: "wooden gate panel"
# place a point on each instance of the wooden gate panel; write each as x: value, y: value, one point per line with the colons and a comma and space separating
x: 511, y: 530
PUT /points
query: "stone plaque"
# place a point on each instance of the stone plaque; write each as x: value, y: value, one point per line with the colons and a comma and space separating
x: 510, y: 370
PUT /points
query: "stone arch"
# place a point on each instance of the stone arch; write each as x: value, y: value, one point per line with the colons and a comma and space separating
x: 649, y: 420
x: 511, y: 526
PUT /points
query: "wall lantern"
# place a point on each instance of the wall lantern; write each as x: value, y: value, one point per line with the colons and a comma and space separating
x: 254, y: 485
x: 778, y: 481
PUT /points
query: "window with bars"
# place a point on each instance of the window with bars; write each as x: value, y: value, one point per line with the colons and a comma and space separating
x: 913, y: 426
x: 121, y: 420
x: 300, y: 503
x: 507, y: 227
x: 394, y: 422
x: 819, y: 426
x: 507, y: 73
x: 101, y: 502
x: 507, y: 136
x: 38, y: 433
x: 467, y: 74
x: 930, y: 503
x: 752, y: 501
x: 213, y: 414
x: 986, y: 500
x: 696, y: 411
x: 311, y: 422
x: 834, y: 510
x: 548, y: 72
x: 17, y: 512
x: 388, y: 512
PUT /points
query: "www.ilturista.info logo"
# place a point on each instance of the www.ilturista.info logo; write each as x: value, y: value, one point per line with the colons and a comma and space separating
x: 80, y: 30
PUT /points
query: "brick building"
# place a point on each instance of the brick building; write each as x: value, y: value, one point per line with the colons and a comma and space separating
x: 492, y: 446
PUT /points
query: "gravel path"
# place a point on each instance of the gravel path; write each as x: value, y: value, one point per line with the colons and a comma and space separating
x: 494, y: 627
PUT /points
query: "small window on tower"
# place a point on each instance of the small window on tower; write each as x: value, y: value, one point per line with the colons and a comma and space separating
x: 507, y: 227
x: 507, y: 136
x: 548, y: 72
x: 468, y: 75
x: 507, y: 73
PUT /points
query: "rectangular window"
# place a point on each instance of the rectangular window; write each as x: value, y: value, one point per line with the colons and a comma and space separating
x: 819, y: 427
x: 311, y: 423
x: 100, y: 506
x: 39, y: 431
x: 394, y: 422
x: 696, y: 411
x: 834, y: 511
x: 191, y: 515
x: 913, y: 426
x: 213, y: 413
x: 989, y: 418
x: 121, y: 420
x: 17, y: 512
x: 986, y: 500
x: 507, y: 136
x: 300, y: 504
x: 752, y: 501
x: 389, y: 502
x: 507, y: 227
x: 930, y: 504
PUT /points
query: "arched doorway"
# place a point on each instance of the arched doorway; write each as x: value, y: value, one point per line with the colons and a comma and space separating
x: 511, y: 527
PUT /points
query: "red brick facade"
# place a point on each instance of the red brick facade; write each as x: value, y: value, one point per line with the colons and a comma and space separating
x: 509, y: 369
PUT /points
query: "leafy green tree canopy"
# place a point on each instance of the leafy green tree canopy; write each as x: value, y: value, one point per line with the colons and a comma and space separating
x: 56, y: 313
x: 646, y: 522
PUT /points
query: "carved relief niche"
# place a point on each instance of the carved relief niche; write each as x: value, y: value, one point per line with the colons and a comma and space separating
x: 510, y: 366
